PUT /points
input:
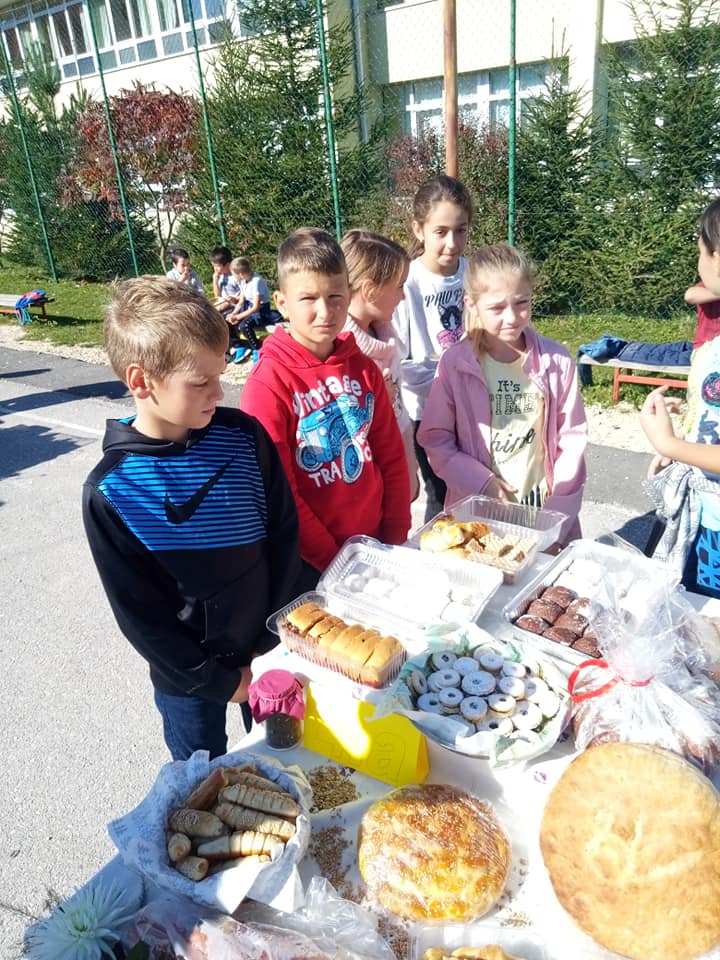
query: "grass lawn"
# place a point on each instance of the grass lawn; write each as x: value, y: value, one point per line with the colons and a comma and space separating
x: 75, y: 319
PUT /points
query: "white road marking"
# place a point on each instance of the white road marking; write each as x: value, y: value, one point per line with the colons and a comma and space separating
x: 52, y: 421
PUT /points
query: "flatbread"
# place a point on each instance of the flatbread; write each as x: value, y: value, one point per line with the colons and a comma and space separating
x: 430, y: 851
x: 630, y: 837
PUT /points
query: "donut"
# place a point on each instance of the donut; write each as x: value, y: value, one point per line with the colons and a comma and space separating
x: 378, y: 587
x: 501, y: 703
x: 527, y: 716
x: 492, y: 662
x: 429, y: 703
x: 535, y: 689
x: 549, y: 704
x: 501, y: 726
x: 512, y: 686
x: 450, y: 699
x: 533, y: 624
x: 478, y: 684
x: 559, y: 635
x: 511, y: 668
x: 443, y: 659
x: 443, y: 678
x: 417, y: 683
x: 572, y: 621
x: 560, y: 595
x: 465, y: 665
x: 474, y: 709
x: 355, y: 582
x: 546, y: 609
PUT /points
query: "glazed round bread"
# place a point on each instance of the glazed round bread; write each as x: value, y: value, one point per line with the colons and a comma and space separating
x: 433, y: 852
x: 630, y: 837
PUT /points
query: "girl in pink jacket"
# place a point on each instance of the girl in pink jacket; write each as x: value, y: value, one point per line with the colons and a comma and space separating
x: 505, y: 417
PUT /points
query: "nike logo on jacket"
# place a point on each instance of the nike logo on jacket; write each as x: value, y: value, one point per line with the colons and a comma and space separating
x: 181, y: 512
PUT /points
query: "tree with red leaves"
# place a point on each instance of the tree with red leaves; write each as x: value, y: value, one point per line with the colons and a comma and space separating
x: 156, y: 137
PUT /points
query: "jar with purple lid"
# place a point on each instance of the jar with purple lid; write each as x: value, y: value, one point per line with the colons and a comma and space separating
x: 277, y: 701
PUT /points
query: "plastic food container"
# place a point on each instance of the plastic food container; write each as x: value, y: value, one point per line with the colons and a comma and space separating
x: 616, y: 566
x: 423, y: 587
x: 505, y: 519
x: 450, y: 936
x: 337, y: 665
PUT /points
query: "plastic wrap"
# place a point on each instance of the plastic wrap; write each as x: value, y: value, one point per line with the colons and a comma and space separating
x: 326, y: 928
x: 653, y: 684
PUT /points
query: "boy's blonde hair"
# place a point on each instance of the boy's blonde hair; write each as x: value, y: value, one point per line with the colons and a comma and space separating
x: 483, y: 263
x: 240, y: 265
x: 311, y: 249
x: 159, y: 324
x: 370, y: 256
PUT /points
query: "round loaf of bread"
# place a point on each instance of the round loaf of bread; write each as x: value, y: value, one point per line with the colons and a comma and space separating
x: 630, y: 837
x: 433, y: 852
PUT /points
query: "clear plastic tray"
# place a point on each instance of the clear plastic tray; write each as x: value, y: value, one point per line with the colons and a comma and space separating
x: 314, y: 654
x: 632, y: 566
x: 424, y: 587
x: 517, y: 520
x: 451, y: 936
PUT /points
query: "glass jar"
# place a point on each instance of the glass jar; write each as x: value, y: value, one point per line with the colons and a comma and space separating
x: 277, y: 702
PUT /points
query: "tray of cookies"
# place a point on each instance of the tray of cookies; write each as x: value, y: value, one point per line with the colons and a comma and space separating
x: 427, y: 589
x: 340, y: 637
x: 559, y: 606
x: 488, y: 531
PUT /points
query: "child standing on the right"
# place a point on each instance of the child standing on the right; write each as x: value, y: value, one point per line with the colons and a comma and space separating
x: 430, y: 319
x: 505, y: 417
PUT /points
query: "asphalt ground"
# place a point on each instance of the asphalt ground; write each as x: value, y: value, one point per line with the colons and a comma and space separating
x: 82, y: 741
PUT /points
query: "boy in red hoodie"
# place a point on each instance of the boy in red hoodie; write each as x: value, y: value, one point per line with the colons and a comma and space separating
x: 325, y: 405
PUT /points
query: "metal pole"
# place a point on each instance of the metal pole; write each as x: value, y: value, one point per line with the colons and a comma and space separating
x: 113, y: 146
x: 512, y: 123
x: 450, y: 87
x: 28, y: 161
x: 329, y: 127
x: 206, y: 124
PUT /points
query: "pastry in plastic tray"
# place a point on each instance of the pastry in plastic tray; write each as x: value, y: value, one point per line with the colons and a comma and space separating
x: 361, y: 653
x: 431, y: 851
x: 488, y: 952
x: 477, y: 541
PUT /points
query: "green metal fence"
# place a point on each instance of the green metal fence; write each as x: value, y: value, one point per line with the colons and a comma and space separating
x: 594, y: 148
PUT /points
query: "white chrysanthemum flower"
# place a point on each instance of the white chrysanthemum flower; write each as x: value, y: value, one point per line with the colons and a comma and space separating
x: 86, y: 926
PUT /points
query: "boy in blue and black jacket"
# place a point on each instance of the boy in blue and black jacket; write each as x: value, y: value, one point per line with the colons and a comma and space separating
x: 189, y: 515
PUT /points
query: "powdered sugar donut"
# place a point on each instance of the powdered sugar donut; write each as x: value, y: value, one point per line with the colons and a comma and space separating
x: 492, y: 662
x: 355, y: 582
x: 443, y: 678
x: 430, y: 703
x: 527, y: 716
x: 513, y: 686
x: 502, y: 726
x: 549, y: 704
x: 443, y: 659
x: 512, y: 669
x: 465, y: 665
x: 417, y: 683
x: 501, y: 703
x: 535, y: 689
x: 450, y: 699
x: 478, y: 684
x: 474, y: 709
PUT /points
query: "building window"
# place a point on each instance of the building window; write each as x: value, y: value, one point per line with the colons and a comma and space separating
x: 483, y: 97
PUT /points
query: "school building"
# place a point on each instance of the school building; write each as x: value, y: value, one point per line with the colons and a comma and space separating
x: 398, y: 46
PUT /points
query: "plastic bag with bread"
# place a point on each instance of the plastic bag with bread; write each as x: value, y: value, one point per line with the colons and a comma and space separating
x: 218, y: 850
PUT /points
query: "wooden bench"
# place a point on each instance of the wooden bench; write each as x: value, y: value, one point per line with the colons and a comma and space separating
x: 8, y: 301
x: 654, y: 374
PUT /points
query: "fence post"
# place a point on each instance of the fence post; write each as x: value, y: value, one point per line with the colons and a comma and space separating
x: 450, y: 87
x: 188, y: 4
x: 111, y: 137
x: 512, y: 82
x: 28, y: 160
x: 329, y: 123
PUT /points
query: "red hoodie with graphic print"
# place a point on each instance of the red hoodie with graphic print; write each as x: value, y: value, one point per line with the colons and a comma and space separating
x: 338, y: 439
